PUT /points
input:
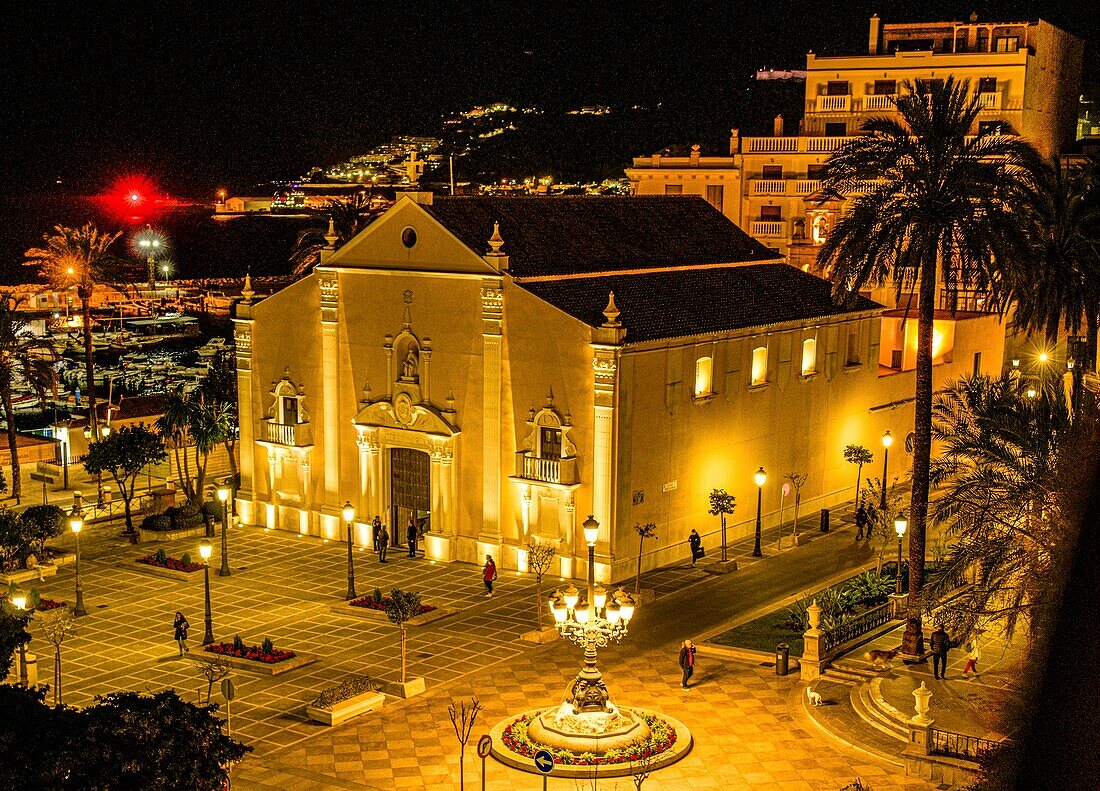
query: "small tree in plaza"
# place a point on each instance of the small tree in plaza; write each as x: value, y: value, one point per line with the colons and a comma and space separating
x: 539, y: 559
x: 462, y: 720
x: 400, y: 608
x: 57, y: 630
x: 41, y: 523
x: 648, y: 530
x: 722, y: 504
x: 213, y: 668
x: 123, y: 454
x: 797, y: 480
x: 880, y: 523
x: 858, y: 455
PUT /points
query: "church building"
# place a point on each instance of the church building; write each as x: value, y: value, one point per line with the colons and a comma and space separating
x: 501, y: 368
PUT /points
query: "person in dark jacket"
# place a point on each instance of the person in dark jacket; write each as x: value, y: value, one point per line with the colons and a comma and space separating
x: 383, y: 542
x: 180, y: 627
x: 375, y: 529
x: 687, y: 662
x: 696, y: 544
x: 861, y: 522
x: 940, y: 644
x: 412, y: 533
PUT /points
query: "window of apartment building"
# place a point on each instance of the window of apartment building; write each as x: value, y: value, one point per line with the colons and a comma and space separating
x: 813, y: 170
x: 977, y: 363
x: 992, y: 127
x: 674, y: 189
x: 1006, y: 43
x: 771, y: 171
x: 853, y: 349
x: 809, y: 356
x: 837, y: 88
x: 704, y: 376
x: 771, y: 212
x: 549, y: 443
x: 987, y: 85
x: 759, y: 365
x: 982, y: 41
x: 715, y: 195
x: 885, y: 87
x: 836, y: 129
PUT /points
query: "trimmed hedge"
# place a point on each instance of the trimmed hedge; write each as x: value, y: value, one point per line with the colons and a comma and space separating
x: 181, y: 517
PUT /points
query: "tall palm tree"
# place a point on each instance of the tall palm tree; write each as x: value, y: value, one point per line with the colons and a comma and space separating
x: 1055, y: 283
x: 24, y: 356
x: 936, y: 210
x: 189, y: 420
x: 348, y: 218
x: 1002, y: 486
x: 78, y: 257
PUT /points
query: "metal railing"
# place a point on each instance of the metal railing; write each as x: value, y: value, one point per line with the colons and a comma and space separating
x: 857, y: 627
x: 960, y: 745
x: 967, y: 300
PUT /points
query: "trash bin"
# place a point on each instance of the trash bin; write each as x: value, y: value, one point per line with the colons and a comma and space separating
x: 824, y: 520
x: 782, y: 659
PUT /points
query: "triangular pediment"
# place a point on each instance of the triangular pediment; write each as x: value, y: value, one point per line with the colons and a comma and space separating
x: 385, y: 244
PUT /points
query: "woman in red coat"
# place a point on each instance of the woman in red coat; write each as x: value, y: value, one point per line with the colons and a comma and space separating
x: 489, y: 574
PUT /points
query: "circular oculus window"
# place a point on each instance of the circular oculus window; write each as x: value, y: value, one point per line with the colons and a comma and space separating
x: 408, y: 237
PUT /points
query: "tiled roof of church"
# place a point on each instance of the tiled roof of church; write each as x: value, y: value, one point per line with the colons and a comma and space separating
x: 577, y: 235
x: 661, y: 305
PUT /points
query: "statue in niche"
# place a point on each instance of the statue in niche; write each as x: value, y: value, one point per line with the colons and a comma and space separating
x: 821, y: 228
x: 410, y: 367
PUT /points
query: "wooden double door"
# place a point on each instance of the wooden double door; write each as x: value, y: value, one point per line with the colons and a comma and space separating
x: 410, y: 491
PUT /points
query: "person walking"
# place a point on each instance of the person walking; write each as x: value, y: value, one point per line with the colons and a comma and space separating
x: 180, y: 627
x: 489, y: 574
x: 861, y: 522
x: 940, y: 645
x: 687, y: 662
x: 412, y: 533
x: 696, y: 544
x: 973, y: 654
x: 383, y: 542
x: 375, y: 529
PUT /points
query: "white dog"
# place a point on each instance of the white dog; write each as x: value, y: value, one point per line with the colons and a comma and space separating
x: 814, y: 697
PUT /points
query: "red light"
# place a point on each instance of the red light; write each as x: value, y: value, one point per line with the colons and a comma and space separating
x: 130, y: 199
x: 135, y: 198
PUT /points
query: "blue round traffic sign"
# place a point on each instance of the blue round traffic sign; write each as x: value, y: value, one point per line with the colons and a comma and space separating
x: 544, y: 761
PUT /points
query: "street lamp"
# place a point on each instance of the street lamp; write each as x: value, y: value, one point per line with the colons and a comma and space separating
x: 887, y: 441
x: 900, y: 524
x: 760, y: 477
x: 204, y: 552
x: 593, y: 623
x: 76, y: 524
x: 223, y: 495
x: 349, y: 516
x: 19, y: 601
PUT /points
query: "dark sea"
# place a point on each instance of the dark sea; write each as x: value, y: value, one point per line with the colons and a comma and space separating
x: 198, y: 246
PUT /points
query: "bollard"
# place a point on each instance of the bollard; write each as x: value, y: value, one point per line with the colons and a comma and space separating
x: 824, y: 520
x: 782, y: 659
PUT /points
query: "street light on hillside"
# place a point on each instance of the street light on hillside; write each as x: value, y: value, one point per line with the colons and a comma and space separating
x: 887, y: 441
x: 760, y: 477
x: 204, y: 552
x: 76, y: 524
x: 349, y: 517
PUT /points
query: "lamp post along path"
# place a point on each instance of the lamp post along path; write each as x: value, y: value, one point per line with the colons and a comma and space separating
x: 899, y: 527
x: 19, y: 601
x: 887, y: 441
x: 76, y: 524
x: 349, y: 517
x: 760, y: 477
x: 204, y: 552
x: 223, y: 495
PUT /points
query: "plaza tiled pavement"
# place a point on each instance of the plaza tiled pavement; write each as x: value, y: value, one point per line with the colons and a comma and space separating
x: 746, y: 734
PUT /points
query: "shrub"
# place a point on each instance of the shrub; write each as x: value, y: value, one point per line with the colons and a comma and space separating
x: 267, y: 646
x: 184, y: 517
x: 377, y: 596
x: 158, y: 522
x: 161, y: 555
x: 869, y: 589
x: 211, y: 510
x: 14, y: 539
x: 41, y: 523
x: 186, y: 559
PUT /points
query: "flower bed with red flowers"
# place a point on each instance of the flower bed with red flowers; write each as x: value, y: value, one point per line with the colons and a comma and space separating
x: 45, y: 605
x: 372, y: 603
x: 662, y: 738
x: 170, y: 563
x: 254, y: 652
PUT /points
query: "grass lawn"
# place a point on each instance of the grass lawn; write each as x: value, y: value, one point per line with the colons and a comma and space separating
x: 762, y: 634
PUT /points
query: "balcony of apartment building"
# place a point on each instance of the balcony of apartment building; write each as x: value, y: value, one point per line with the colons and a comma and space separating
x: 694, y: 160
x: 553, y: 470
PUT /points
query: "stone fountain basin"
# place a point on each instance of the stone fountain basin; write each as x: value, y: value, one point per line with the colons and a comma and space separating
x: 545, y: 730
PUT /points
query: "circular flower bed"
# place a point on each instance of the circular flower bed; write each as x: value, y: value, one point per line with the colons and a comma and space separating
x: 254, y: 652
x: 662, y: 738
x: 373, y: 604
x: 45, y: 605
x: 170, y: 563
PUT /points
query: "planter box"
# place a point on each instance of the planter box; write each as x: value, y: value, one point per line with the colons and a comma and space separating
x: 38, y: 573
x: 160, y: 571
x: 547, y: 635
x: 62, y: 559
x: 720, y: 567
x: 346, y: 608
x: 414, y: 686
x: 151, y: 536
x: 275, y: 669
x: 346, y: 709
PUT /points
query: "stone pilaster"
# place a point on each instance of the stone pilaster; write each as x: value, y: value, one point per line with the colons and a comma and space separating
x: 242, y: 344
x: 492, y: 320
x: 330, y: 390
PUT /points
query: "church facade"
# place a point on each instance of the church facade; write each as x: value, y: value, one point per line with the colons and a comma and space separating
x: 497, y: 369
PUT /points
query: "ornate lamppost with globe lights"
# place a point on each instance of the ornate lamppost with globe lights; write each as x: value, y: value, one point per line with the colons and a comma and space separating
x: 76, y: 524
x: 204, y: 552
x: 593, y: 623
x: 349, y: 517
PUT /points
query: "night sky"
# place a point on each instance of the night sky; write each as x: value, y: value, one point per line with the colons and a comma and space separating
x: 204, y: 95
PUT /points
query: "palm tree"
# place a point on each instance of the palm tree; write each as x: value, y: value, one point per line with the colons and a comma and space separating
x: 346, y: 219
x: 26, y: 357
x: 1056, y: 282
x: 1001, y: 503
x: 937, y: 209
x: 189, y: 420
x: 78, y: 257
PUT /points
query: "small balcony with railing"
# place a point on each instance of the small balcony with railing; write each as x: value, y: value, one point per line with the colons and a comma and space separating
x: 879, y: 102
x: 834, y: 104
x: 769, y: 229
x: 297, y: 435
x: 553, y: 471
x: 989, y: 100
x: 967, y: 300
